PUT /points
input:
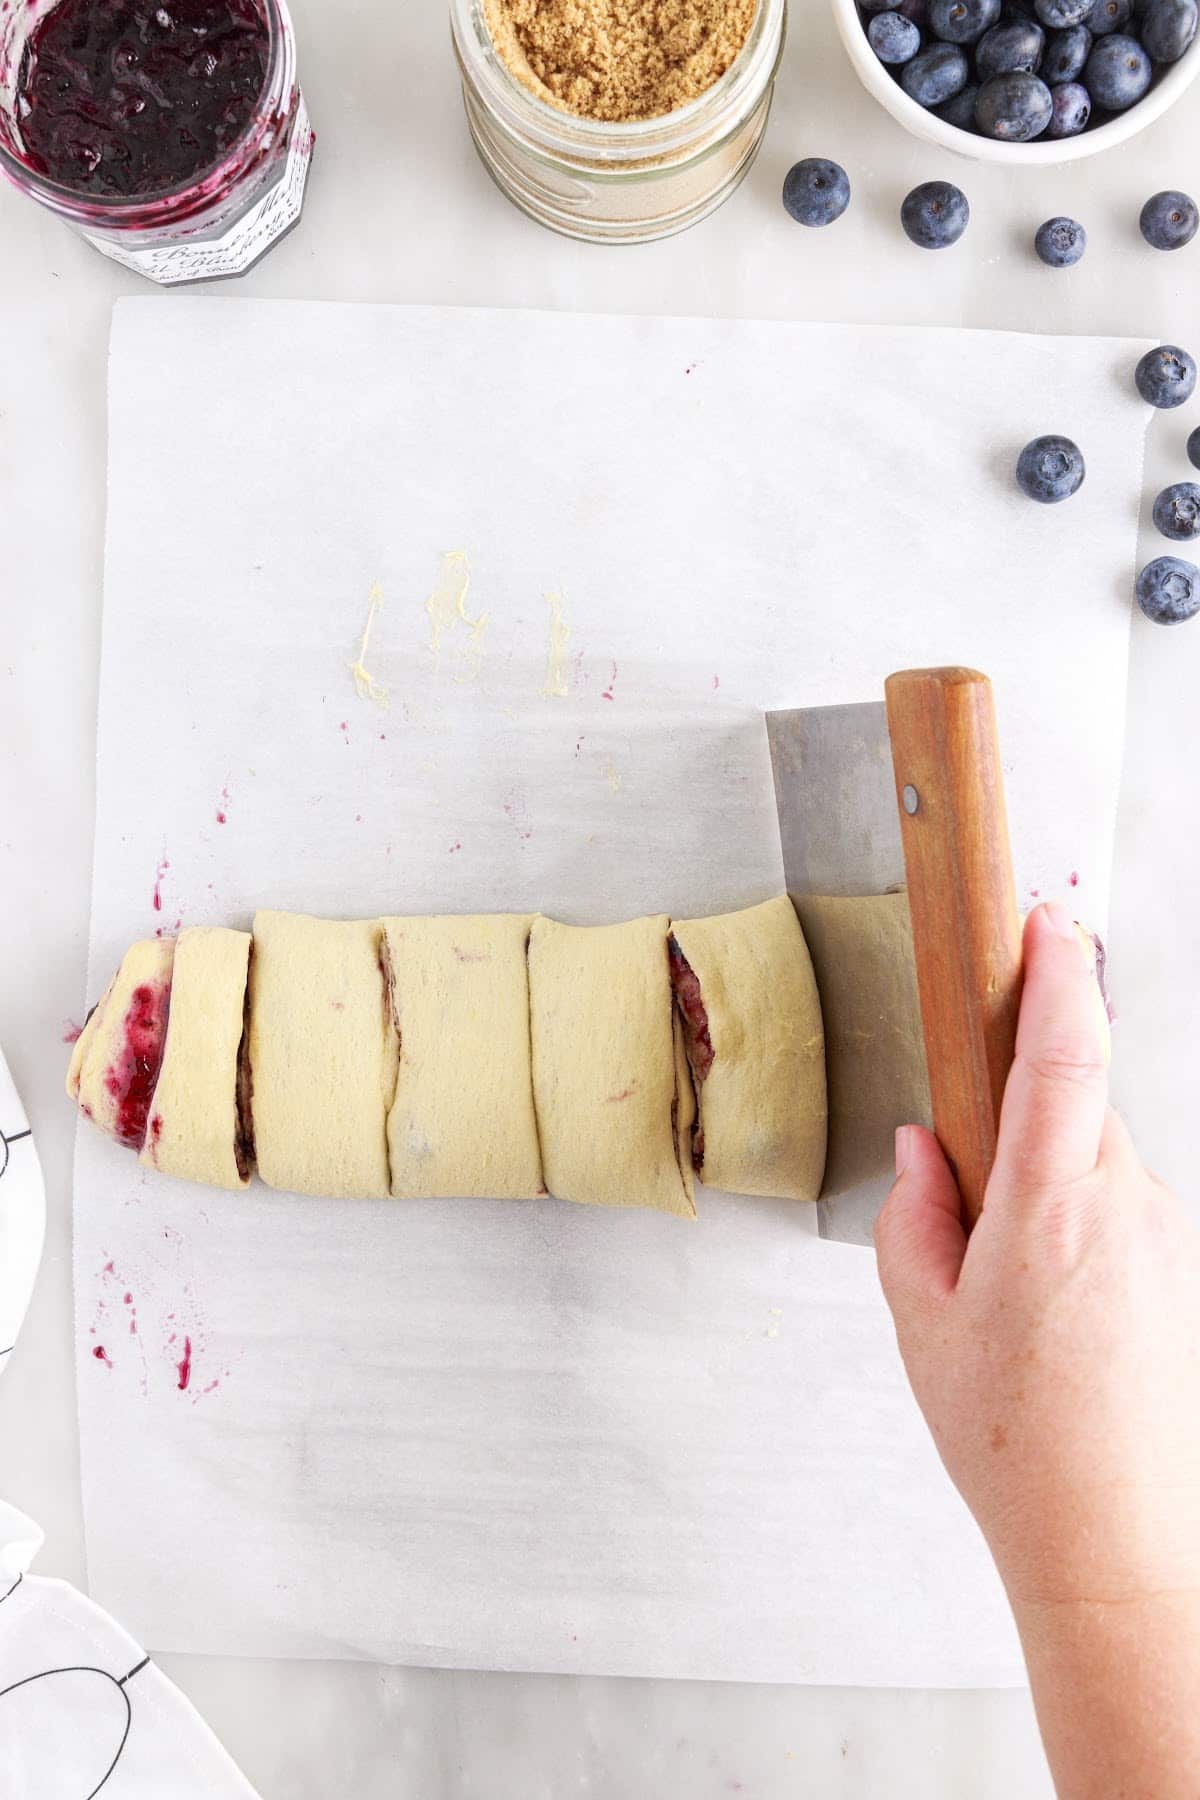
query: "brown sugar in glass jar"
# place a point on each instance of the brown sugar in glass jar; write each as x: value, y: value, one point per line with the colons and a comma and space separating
x: 618, y: 136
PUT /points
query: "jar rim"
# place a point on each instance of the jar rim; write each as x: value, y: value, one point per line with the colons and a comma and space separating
x: 558, y: 132
x: 199, y: 191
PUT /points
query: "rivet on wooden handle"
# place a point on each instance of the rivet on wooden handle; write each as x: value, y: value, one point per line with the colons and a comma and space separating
x: 966, y: 928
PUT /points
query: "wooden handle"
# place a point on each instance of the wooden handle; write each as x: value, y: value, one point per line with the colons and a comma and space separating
x: 966, y: 929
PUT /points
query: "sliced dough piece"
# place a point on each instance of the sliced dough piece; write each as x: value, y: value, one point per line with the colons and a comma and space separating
x: 875, y: 1054
x: 609, y: 1078
x: 462, y: 1122
x: 115, y: 1063
x: 322, y: 1055
x: 752, y: 1018
x: 195, y: 1130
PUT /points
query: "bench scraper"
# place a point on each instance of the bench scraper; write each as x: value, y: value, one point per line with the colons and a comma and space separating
x: 908, y: 794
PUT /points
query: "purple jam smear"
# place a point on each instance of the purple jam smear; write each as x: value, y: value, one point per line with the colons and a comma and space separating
x: 690, y: 1000
x: 121, y: 97
x: 132, y: 1078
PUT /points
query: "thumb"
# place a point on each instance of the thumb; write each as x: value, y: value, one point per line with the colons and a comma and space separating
x: 1055, y: 1102
x: 919, y: 1237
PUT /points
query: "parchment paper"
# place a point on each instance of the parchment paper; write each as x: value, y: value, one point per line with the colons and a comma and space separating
x: 523, y: 1435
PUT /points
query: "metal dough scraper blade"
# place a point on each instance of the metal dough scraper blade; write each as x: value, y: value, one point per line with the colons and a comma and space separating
x: 907, y: 793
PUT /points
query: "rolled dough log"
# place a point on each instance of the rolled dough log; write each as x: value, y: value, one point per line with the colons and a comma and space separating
x: 195, y: 1130
x: 462, y: 1122
x: 862, y: 955
x: 115, y: 1062
x: 761, y: 1091
x: 610, y: 1084
x: 322, y: 1055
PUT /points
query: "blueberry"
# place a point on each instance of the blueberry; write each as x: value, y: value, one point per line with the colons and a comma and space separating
x: 959, y: 109
x: 935, y: 215
x: 1072, y: 109
x: 816, y: 192
x: 1050, y: 469
x: 1060, y: 242
x: 1168, y: 27
x: 1109, y: 15
x: 1168, y: 590
x: 1117, y: 72
x: 894, y: 39
x: 962, y: 21
x: 1166, y: 376
x: 935, y: 74
x: 1193, y: 448
x: 1007, y: 49
x: 1066, y: 53
x: 871, y: 7
x: 1169, y: 220
x: 1016, y: 108
x: 1177, y: 512
x: 1057, y: 15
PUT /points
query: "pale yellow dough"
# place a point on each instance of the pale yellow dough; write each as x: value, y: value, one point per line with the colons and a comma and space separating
x: 193, y: 1119
x: 97, y: 1072
x: 762, y: 1105
x: 322, y: 1056
x: 610, y: 1083
x: 462, y: 1122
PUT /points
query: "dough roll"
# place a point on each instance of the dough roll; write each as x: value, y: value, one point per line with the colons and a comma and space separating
x: 751, y: 1016
x: 198, y: 1128
x: 462, y: 1122
x: 610, y: 1084
x: 322, y: 1056
x: 115, y: 1062
x: 862, y: 954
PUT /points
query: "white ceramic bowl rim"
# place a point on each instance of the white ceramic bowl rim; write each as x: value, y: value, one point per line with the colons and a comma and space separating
x: 1167, y: 88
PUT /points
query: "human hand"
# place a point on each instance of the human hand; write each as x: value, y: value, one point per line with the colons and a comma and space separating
x: 1056, y: 1353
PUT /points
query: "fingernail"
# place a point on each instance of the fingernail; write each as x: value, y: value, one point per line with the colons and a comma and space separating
x: 903, y: 1151
x: 1059, y: 919
x: 1087, y: 944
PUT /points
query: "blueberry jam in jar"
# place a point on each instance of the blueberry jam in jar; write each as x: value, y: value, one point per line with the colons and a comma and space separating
x: 173, y: 136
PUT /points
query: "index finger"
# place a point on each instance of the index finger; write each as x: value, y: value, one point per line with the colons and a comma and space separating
x: 1052, y: 1118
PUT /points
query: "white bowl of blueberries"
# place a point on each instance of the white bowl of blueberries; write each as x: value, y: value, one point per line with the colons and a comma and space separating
x: 1032, y: 81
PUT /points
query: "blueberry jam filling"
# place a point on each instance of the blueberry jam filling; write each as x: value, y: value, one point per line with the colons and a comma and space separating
x: 132, y: 1077
x: 697, y: 1043
x: 122, y: 97
x: 243, y: 1136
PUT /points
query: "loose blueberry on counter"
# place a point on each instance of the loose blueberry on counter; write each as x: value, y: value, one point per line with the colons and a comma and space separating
x: 1066, y: 53
x: 1177, y: 512
x: 959, y: 109
x: 962, y: 21
x: 935, y: 74
x: 1058, y: 15
x: 1050, y: 469
x: 935, y: 215
x: 894, y: 39
x: 1016, y: 108
x: 1169, y: 220
x: 1168, y: 590
x: 1117, y: 72
x: 1168, y: 27
x: 1166, y: 377
x: 1017, y: 46
x: 816, y: 191
x: 1193, y: 448
x: 1060, y: 242
x: 1109, y: 15
x: 1072, y: 106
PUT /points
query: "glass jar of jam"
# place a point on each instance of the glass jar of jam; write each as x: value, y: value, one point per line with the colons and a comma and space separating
x: 612, y: 181
x: 173, y: 136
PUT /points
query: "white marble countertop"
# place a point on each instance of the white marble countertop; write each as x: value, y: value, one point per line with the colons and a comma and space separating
x: 400, y: 210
